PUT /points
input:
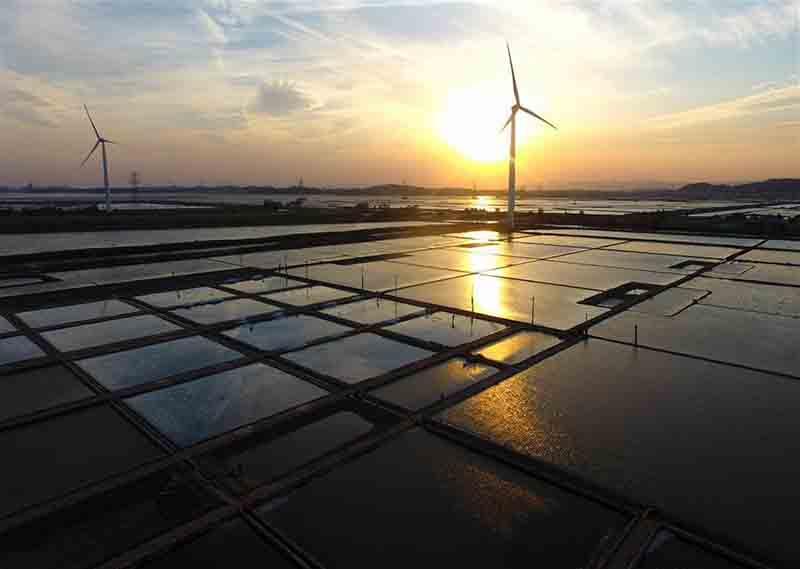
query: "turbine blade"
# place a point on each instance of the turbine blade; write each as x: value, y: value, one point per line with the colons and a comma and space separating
x: 508, y: 122
x: 513, y: 75
x: 530, y: 112
x: 85, y: 160
x: 91, y: 121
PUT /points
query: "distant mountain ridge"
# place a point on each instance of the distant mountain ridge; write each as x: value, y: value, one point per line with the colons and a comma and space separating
x: 773, y: 189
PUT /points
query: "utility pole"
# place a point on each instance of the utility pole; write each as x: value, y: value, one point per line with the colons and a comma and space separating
x: 135, y: 181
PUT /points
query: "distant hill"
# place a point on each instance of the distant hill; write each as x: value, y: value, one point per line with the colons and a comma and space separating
x: 774, y: 189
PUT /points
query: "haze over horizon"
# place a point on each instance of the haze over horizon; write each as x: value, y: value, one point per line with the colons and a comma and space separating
x: 350, y: 92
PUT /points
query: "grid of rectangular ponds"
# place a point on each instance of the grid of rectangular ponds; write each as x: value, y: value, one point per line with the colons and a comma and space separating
x: 569, y: 398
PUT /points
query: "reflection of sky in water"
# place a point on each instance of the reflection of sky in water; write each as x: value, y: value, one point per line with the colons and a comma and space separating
x: 583, y: 276
x: 131, y: 367
x: 373, y: 310
x: 285, y: 333
x: 556, y: 306
x: 761, y: 341
x: 184, y: 297
x: 223, y: 311
x: 459, y: 259
x: 663, y: 429
x: 475, y: 512
x: 5, y: 326
x: 769, y: 299
x: 190, y: 412
x: 377, y: 275
x: 74, y: 313
x: 446, y: 328
x: 308, y: 295
x: 108, y: 332
x: 358, y: 357
x: 260, y: 460
x: 518, y: 347
x: 263, y: 285
x: 423, y: 388
x: 512, y: 413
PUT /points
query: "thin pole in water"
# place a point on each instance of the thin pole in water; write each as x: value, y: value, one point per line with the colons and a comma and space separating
x: 533, y: 309
x: 636, y: 335
x: 472, y: 300
x: 363, y: 276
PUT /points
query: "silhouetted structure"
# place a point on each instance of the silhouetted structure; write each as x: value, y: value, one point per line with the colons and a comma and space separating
x: 102, y: 143
x: 135, y: 181
x: 512, y: 155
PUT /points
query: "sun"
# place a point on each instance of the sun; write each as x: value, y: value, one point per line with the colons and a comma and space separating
x: 471, y: 120
x: 470, y: 123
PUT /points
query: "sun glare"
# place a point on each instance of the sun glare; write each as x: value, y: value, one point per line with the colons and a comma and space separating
x: 471, y: 120
x: 470, y: 123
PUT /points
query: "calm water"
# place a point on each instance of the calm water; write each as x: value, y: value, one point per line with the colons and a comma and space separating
x: 487, y: 202
x: 25, y: 243
x: 703, y: 441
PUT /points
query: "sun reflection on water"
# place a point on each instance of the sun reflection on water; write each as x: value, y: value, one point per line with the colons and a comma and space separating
x: 485, y: 236
x: 519, y: 414
x: 487, y: 293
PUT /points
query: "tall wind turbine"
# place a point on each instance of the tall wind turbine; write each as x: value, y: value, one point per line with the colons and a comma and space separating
x: 102, y: 143
x: 512, y: 158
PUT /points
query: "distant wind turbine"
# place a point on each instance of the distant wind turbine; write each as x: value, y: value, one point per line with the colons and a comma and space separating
x: 102, y: 143
x: 512, y: 158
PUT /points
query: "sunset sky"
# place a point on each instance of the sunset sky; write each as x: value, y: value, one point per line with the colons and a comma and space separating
x: 350, y: 92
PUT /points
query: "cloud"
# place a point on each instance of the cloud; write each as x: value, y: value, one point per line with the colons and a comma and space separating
x: 92, y: 40
x: 433, y: 22
x: 753, y: 23
x: 17, y: 95
x: 216, y: 32
x: 30, y: 101
x: 27, y: 115
x: 782, y: 102
x: 371, y: 67
x: 781, y: 99
x: 280, y: 99
x: 217, y: 121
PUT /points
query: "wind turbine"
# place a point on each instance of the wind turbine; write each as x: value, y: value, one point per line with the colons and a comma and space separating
x: 512, y: 158
x: 102, y: 143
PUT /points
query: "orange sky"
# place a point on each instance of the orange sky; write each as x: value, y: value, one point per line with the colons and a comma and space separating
x: 340, y: 93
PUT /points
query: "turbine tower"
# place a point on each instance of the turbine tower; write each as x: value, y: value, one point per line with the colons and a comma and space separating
x: 102, y: 143
x: 512, y: 157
